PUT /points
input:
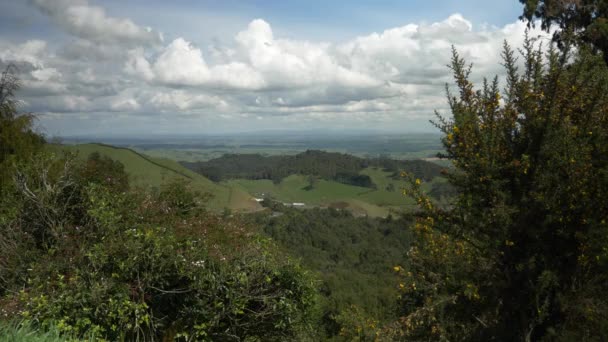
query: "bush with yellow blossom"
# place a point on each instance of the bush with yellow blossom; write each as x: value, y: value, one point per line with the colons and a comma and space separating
x: 521, y: 252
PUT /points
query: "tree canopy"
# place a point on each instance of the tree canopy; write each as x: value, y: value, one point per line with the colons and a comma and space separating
x: 586, y: 20
x: 17, y: 137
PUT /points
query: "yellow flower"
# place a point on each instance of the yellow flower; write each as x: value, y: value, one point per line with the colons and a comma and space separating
x: 456, y: 129
x: 397, y: 268
x: 418, y: 181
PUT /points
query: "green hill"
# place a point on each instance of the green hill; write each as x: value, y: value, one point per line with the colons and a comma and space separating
x: 153, y: 172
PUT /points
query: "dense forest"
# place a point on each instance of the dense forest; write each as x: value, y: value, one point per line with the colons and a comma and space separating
x: 343, y: 168
x: 352, y: 256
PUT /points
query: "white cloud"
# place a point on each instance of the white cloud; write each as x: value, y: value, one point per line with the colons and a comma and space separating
x: 294, y: 63
x: 31, y: 52
x: 92, y: 23
x: 181, y: 63
x: 261, y: 62
x: 138, y: 65
x: 181, y: 100
x: 46, y: 74
x: 124, y: 104
x: 115, y: 67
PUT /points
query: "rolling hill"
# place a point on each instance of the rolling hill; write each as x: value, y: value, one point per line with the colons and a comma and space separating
x: 152, y: 172
x: 238, y: 194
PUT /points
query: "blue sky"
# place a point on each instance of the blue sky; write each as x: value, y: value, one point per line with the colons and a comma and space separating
x: 325, y: 20
x: 138, y: 67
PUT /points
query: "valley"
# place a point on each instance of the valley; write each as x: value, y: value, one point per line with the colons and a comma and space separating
x: 150, y: 164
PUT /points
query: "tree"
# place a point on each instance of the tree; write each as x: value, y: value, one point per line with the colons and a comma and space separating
x: 587, y: 19
x: 17, y: 137
x: 312, y: 182
x: 521, y: 253
x: 106, y: 171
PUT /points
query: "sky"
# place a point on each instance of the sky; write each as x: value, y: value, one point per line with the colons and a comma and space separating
x: 146, y: 67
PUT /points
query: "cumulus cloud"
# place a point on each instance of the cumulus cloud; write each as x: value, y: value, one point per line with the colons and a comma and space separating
x: 124, y: 104
x: 181, y: 100
x: 295, y: 63
x: 30, y: 53
x: 83, y: 20
x: 259, y: 62
x: 386, y: 78
x: 182, y: 64
x: 418, y: 54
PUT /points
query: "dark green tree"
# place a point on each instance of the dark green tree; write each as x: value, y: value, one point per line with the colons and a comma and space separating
x: 521, y: 253
x: 106, y: 171
x: 18, y: 140
x: 587, y: 20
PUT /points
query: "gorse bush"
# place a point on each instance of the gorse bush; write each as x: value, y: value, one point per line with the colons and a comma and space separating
x: 522, y: 253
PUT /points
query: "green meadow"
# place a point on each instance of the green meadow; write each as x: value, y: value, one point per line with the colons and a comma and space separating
x: 362, y: 201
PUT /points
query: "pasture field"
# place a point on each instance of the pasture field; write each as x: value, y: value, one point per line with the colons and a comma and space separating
x: 361, y: 201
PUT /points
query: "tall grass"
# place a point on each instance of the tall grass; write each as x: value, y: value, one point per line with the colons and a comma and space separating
x: 27, y: 332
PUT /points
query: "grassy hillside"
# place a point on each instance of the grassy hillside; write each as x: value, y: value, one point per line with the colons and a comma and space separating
x: 153, y: 172
x: 360, y: 200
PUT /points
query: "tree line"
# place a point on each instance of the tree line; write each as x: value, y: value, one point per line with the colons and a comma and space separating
x: 343, y: 168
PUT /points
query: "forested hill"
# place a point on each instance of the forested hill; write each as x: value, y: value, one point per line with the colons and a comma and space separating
x: 340, y: 167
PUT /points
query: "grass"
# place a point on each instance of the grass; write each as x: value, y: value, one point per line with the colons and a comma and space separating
x: 237, y: 194
x: 361, y: 201
x: 152, y: 172
x: 26, y: 332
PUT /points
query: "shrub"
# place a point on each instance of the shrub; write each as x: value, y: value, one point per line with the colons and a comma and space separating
x: 91, y: 258
x: 521, y: 253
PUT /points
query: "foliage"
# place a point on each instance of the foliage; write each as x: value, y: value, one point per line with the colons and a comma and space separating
x: 340, y: 167
x: 88, y: 257
x: 27, y: 332
x: 105, y: 171
x: 584, y: 20
x: 17, y: 138
x: 522, y: 254
x: 356, y: 325
x: 353, y: 256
